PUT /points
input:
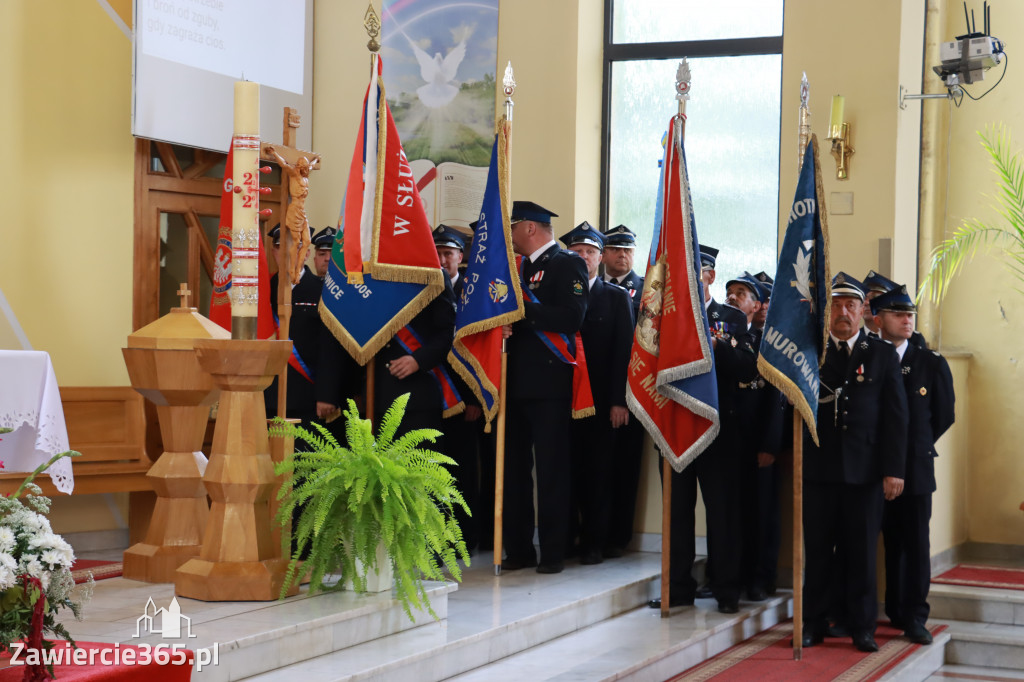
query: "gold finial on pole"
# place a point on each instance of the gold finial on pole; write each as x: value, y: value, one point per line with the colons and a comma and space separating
x: 683, y: 85
x: 805, y: 121
x: 372, y: 24
x: 509, y: 83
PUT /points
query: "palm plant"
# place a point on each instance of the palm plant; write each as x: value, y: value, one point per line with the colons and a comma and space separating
x: 952, y: 254
x: 353, y: 498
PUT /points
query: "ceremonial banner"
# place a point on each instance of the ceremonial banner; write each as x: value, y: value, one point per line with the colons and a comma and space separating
x: 671, y: 384
x: 796, y: 329
x: 384, y: 267
x: 491, y: 295
x: 220, y: 299
x: 394, y: 241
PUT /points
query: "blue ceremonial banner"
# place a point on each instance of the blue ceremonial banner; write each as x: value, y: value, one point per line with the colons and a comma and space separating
x: 362, y: 316
x: 491, y: 295
x: 796, y: 330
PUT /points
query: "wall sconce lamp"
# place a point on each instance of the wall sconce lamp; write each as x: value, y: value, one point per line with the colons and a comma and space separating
x: 839, y: 134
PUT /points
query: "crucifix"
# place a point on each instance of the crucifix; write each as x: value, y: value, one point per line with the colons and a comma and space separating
x: 288, y: 260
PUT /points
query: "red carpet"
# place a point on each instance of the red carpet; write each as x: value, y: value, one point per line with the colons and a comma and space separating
x: 81, y: 569
x: 983, y: 576
x: 768, y: 657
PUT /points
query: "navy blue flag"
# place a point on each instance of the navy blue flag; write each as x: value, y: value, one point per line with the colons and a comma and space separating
x: 796, y: 329
x: 491, y: 295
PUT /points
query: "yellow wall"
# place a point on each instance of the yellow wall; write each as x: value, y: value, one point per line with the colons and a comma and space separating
x: 983, y: 311
x: 66, y: 260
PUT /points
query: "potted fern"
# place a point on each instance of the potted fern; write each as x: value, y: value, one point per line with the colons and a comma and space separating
x: 1006, y: 235
x: 375, y: 492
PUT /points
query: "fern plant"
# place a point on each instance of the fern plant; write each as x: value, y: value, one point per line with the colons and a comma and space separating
x: 382, y: 489
x: 952, y: 254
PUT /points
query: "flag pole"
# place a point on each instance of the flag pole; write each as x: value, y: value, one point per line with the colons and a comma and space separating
x: 682, y: 94
x: 372, y: 24
x: 509, y: 84
x: 798, y: 436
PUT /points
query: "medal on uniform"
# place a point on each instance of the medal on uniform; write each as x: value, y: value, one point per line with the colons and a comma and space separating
x: 923, y: 391
x: 860, y: 373
x: 537, y: 276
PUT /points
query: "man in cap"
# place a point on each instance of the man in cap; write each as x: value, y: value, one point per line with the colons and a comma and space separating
x: 619, y: 251
x: 304, y: 329
x: 461, y: 431
x: 876, y: 284
x: 760, y: 406
x: 723, y: 319
x: 617, y: 258
x: 929, y: 390
x: 607, y: 335
x: 861, y: 457
x: 540, y: 391
x: 323, y: 242
x: 767, y: 283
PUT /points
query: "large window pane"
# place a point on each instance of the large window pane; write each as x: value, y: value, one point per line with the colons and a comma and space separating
x: 654, y: 21
x: 732, y: 150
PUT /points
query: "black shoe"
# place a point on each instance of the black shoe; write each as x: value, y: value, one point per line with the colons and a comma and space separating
x: 728, y: 607
x: 551, y: 567
x: 756, y: 594
x: 614, y: 552
x: 591, y: 557
x: 836, y: 630
x: 865, y: 641
x: 673, y: 602
x: 918, y: 634
x: 704, y: 592
x: 811, y: 637
x: 512, y: 564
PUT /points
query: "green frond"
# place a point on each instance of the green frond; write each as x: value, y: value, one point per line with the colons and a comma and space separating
x: 949, y: 257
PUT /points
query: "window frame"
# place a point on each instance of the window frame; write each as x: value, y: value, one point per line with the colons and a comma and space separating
x: 623, y: 52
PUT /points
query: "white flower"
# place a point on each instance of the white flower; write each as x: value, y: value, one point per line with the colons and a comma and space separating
x: 8, y: 571
x: 6, y: 539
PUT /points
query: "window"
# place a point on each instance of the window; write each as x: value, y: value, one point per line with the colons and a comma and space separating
x: 732, y: 135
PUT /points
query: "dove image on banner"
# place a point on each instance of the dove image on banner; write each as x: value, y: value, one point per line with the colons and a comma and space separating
x: 671, y: 381
x: 384, y: 267
x: 491, y: 295
x: 796, y: 330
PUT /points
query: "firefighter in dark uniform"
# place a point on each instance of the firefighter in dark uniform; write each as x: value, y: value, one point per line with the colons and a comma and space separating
x: 540, y: 392
x: 929, y: 389
x: 607, y: 336
x: 876, y: 284
x: 862, y: 431
x: 715, y: 468
x: 767, y: 283
x: 760, y: 405
x: 305, y: 329
x: 462, y: 430
x: 619, y: 251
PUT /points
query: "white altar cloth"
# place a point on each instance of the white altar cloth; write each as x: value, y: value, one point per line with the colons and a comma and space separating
x: 30, y: 405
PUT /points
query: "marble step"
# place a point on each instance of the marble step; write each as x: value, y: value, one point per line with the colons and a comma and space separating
x: 489, y: 618
x: 252, y: 637
x: 638, y: 645
x: 922, y: 663
x: 976, y: 604
x: 986, y: 645
x: 970, y: 673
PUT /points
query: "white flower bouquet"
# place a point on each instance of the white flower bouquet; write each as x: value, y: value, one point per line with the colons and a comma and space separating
x: 35, y: 570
